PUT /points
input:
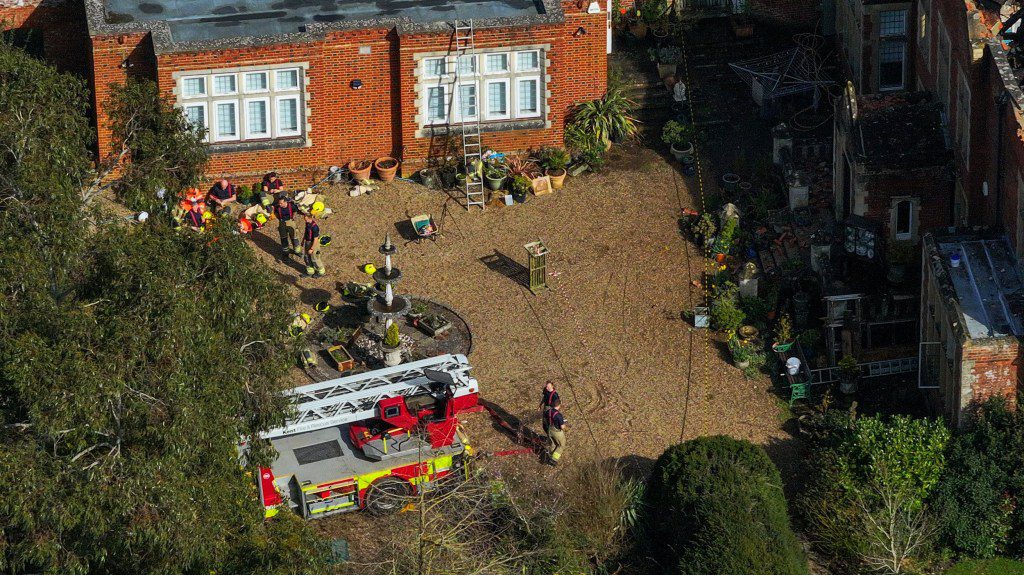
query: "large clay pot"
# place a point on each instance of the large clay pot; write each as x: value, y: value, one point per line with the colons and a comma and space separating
x: 557, y: 178
x: 360, y: 169
x: 387, y: 168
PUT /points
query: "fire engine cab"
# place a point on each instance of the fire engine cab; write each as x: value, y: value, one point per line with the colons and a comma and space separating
x: 364, y: 441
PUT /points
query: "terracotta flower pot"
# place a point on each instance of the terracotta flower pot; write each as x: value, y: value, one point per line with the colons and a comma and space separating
x: 386, y: 167
x: 557, y: 178
x: 360, y: 169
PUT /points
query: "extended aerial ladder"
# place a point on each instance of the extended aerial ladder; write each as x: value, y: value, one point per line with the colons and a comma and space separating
x: 365, y: 440
x: 357, y: 397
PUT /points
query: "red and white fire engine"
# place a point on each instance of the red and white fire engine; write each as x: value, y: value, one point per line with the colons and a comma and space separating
x: 367, y: 440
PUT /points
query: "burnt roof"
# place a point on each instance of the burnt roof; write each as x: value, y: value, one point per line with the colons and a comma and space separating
x: 901, y: 131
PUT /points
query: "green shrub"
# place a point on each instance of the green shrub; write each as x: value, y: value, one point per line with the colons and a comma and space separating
x: 391, y: 338
x: 997, y: 566
x: 609, y: 117
x: 726, y: 314
x: 675, y: 133
x: 670, y: 54
x: 755, y: 309
x: 975, y: 499
x: 521, y: 185
x: 552, y: 158
x: 720, y: 510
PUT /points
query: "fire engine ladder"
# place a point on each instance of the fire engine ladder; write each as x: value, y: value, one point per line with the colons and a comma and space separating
x: 464, y: 44
x: 355, y: 397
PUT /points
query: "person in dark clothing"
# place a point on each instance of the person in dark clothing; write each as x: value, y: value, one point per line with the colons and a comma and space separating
x: 272, y: 184
x: 548, y: 396
x: 194, y: 217
x: 287, y: 214
x: 311, y: 248
x: 555, y: 426
x: 222, y: 195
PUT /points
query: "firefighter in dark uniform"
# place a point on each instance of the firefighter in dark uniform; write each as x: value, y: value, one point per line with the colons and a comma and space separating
x: 287, y: 213
x: 548, y: 397
x: 222, y: 195
x: 194, y: 217
x: 555, y: 426
x: 272, y: 184
x: 311, y: 248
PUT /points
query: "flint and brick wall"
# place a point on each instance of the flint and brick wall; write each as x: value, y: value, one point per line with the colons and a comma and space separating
x: 378, y: 119
x: 990, y: 368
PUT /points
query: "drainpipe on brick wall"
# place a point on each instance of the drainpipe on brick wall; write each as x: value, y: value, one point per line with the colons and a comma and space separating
x: 1001, y: 101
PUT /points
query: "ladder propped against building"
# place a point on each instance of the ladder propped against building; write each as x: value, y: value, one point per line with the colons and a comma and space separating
x: 356, y: 397
x: 464, y: 44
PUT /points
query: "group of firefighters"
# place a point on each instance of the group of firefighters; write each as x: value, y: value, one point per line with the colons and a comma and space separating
x: 222, y: 198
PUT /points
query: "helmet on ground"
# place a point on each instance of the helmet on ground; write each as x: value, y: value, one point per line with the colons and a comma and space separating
x: 325, y: 240
x: 261, y: 219
x: 317, y: 207
x: 369, y: 268
x: 322, y: 307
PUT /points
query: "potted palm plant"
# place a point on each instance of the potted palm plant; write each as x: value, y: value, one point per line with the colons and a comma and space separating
x: 555, y: 161
x: 679, y: 137
x: 609, y: 118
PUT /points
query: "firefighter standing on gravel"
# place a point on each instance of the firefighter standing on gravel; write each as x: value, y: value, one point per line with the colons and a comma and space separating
x: 555, y: 426
x: 548, y: 397
x: 311, y: 248
x: 286, y: 213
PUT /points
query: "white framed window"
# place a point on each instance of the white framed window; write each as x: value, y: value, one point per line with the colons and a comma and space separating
x: 492, y: 86
x: 467, y: 65
x: 903, y: 214
x: 256, y: 82
x: 435, y: 110
x: 527, y: 97
x: 285, y: 80
x: 193, y: 87
x: 528, y: 61
x: 495, y: 63
x: 257, y: 118
x: 195, y: 112
x: 497, y: 99
x: 468, y: 103
x: 434, y: 67
x: 288, y: 116
x: 225, y: 85
x: 245, y: 104
x: 225, y: 124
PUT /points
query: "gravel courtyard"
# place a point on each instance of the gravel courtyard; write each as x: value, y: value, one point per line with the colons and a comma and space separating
x: 633, y: 375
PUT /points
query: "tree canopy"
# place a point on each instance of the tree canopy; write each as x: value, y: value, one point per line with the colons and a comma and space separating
x: 132, y: 360
x: 718, y: 509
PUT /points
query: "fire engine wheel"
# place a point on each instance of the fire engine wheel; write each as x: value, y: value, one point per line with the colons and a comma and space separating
x: 387, y: 495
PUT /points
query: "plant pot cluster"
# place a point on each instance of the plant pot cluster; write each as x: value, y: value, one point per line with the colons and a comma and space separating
x: 386, y: 168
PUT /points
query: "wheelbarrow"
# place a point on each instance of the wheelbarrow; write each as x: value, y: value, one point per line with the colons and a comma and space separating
x: 424, y: 227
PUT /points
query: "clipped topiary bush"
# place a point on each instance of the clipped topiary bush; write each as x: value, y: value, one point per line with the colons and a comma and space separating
x: 719, y: 510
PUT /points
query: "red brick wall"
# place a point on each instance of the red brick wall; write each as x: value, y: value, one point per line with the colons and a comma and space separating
x: 991, y: 368
x: 379, y: 118
x: 932, y: 186
x: 114, y: 60
x: 63, y: 29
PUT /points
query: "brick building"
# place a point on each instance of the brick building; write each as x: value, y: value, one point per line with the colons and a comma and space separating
x: 891, y: 164
x: 54, y: 30
x: 970, y: 321
x: 873, y: 41
x: 294, y: 85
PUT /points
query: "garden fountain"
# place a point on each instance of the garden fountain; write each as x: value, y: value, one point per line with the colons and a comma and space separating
x: 387, y: 306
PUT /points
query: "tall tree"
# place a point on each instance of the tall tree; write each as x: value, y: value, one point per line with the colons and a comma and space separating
x: 132, y: 359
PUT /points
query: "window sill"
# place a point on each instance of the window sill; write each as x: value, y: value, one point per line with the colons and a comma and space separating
x: 485, y: 127
x: 257, y: 145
